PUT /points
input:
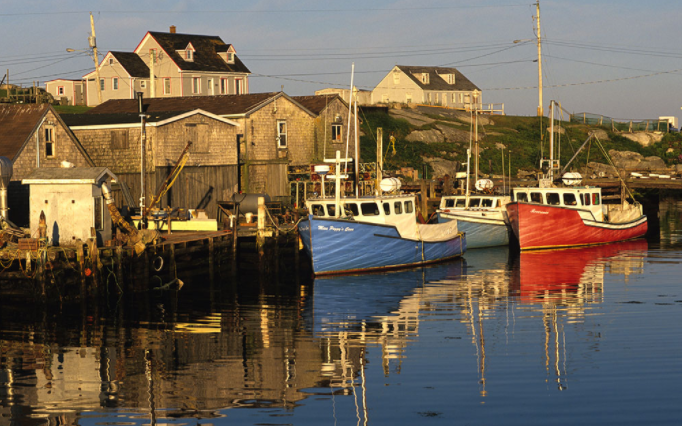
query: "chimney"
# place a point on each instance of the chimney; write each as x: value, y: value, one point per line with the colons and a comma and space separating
x: 172, y: 29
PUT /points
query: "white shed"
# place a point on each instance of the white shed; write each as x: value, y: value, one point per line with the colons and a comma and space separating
x: 72, y: 201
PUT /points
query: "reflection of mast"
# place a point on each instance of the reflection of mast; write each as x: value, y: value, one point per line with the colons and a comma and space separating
x: 150, y: 385
x: 551, y: 326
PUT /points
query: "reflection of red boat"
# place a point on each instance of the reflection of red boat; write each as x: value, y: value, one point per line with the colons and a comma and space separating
x: 539, y: 275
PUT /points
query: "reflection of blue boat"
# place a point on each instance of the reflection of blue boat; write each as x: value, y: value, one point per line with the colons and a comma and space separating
x: 481, y: 217
x: 374, y: 233
x: 344, y: 303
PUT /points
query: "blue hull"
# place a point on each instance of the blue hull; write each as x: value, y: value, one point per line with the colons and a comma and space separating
x: 342, y: 246
x: 480, y: 233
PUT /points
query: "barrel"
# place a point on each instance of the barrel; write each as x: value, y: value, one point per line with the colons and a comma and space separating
x: 248, y: 203
x: 390, y: 184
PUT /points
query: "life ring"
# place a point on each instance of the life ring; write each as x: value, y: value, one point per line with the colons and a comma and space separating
x: 157, y: 263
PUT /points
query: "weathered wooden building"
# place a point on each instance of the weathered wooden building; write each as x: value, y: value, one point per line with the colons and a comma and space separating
x: 209, y: 175
x: 276, y: 131
x: 34, y: 136
x: 331, y: 125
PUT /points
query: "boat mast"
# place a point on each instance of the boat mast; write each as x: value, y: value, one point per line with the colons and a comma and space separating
x: 350, y: 110
x: 551, y: 141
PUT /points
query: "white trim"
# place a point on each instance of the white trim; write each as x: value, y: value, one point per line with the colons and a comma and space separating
x: 157, y: 123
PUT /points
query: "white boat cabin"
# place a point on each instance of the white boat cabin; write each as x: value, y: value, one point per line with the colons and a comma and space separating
x: 579, y: 198
x: 386, y: 209
x: 482, y: 202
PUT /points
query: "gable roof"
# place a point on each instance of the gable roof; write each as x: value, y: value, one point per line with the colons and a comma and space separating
x: 206, y: 49
x: 225, y: 105
x: 132, y: 63
x: 130, y: 119
x: 65, y: 175
x: 435, y: 81
x: 317, y: 103
x: 17, y: 123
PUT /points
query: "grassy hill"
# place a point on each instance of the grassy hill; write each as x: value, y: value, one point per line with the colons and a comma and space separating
x: 519, y: 137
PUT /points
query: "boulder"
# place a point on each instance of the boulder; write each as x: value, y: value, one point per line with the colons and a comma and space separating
x: 426, y: 136
x: 644, y: 138
x: 412, y: 117
x: 454, y: 135
x: 601, y: 134
x: 442, y: 167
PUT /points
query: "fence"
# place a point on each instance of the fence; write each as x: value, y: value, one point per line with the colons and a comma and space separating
x: 652, y: 125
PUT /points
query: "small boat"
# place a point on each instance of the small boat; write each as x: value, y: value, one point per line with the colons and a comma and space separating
x: 483, y: 218
x: 551, y: 216
x: 374, y: 233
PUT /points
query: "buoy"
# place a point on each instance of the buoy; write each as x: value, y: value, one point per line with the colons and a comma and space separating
x: 572, y: 178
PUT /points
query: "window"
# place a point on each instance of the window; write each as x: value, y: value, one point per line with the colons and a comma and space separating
x: 553, y: 199
x: 98, y: 212
x: 387, y: 209
x: 396, y: 77
x: 119, y: 139
x: 114, y: 83
x: 230, y: 57
x: 425, y: 78
x: 351, y: 209
x: 595, y: 199
x: 461, y: 202
x: 522, y: 197
x: 586, y: 199
x: 49, y: 141
x: 336, y: 133
x: 451, y: 79
x: 408, y: 98
x: 189, y: 55
x: 238, y: 86
x: 281, y: 134
x: 474, y: 202
x: 101, y: 84
x: 60, y: 90
x: 408, y: 207
x: 449, y: 202
x: 143, y: 84
x: 536, y: 197
x: 166, y: 86
x: 331, y: 210
x: 369, y: 209
x: 223, y: 86
x: 397, y: 207
x: 209, y: 85
x: 111, y: 61
x: 570, y: 200
x: 487, y: 202
x: 318, y: 209
x: 197, y: 133
x: 196, y: 85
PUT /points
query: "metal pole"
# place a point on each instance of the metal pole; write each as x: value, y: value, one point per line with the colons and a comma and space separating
x: 540, y: 109
x: 93, y: 45
x: 143, y: 162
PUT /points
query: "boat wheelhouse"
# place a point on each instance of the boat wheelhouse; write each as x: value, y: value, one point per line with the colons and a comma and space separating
x: 482, y: 217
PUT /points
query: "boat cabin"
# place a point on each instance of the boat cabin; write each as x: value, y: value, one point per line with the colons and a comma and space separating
x: 579, y: 198
x: 483, y: 202
x: 386, y: 209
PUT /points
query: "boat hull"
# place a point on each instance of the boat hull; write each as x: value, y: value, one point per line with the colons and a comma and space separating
x: 337, y: 246
x: 480, y: 232
x: 539, y: 226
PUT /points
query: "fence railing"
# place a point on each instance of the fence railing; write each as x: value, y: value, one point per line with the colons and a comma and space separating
x: 652, y: 125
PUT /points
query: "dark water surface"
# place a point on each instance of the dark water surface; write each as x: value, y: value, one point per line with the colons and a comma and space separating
x: 579, y: 336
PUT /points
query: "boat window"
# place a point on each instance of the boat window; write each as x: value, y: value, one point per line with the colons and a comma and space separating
x: 369, y: 209
x: 408, y: 207
x: 595, y: 199
x: 318, y: 209
x: 449, y: 202
x: 351, y: 208
x: 387, y: 208
x: 586, y: 199
x: 536, y: 197
x: 461, y: 202
x: 569, y: 199
x: 331, y: 210
x: 521, y: 196
x: 487, y: 202
x: 474, y: 202
x: 397, y: 207
x: 553, y: 198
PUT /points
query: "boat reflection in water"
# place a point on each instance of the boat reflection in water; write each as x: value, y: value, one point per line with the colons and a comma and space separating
x: 564, y: 283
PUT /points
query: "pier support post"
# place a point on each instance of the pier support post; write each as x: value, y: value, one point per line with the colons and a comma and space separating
x: 260, y: 234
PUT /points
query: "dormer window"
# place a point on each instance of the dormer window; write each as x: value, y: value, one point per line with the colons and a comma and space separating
x: 451, y: 78
x: 189, y: 55
x: 425, y: 78
x: 230, y: 57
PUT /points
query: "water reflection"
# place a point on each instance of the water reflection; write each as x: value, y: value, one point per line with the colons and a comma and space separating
x: 279, y: 345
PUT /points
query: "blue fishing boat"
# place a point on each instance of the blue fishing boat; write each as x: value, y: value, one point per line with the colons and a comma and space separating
x: 374, y: 233
x: 483, y: 218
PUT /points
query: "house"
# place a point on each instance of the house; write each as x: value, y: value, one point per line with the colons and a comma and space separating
x: 66, y: 92
x: 276, y: 131
x: 210, y: 173
x: 170, y: 65
x: 34, y: 136
x: 364, y: 96
x: 427, y: 85
x: 72, y: 201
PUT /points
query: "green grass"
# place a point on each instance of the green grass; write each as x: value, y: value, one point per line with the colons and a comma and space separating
x: 71, y: 109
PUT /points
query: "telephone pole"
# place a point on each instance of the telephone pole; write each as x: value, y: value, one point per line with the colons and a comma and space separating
x: 92, y: 41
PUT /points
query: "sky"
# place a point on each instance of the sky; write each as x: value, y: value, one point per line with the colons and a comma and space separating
x: 621, y: 59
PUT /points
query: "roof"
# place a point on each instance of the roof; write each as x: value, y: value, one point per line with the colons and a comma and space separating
x: 218, y: 104
x: 206, y: 50
x: 132, y: 63
x: 317, y: 103
x: 436, y: 83
x: 130, y: 118
x: 17, y: 123
x: 57, y: 175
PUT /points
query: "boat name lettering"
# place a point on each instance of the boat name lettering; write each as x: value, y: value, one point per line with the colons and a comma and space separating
x: 538, y: 212
x: 334, y: 228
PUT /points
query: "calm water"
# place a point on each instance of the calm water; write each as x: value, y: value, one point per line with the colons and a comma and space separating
x: 581, y: 336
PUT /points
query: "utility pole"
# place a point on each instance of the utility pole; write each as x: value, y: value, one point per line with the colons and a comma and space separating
x: 92, y: 40
x: 540, y: 109
x: 152, y: 82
